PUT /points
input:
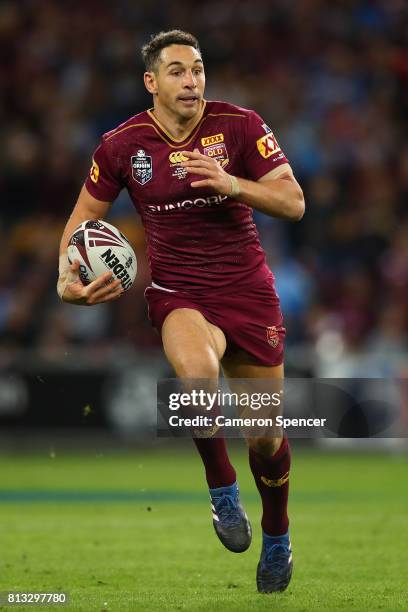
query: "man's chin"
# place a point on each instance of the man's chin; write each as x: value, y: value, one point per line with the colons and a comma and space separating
x: 189, y: 110
x: 189, y: 113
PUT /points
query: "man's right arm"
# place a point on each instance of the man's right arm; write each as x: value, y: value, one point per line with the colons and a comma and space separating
x: 69, y: 287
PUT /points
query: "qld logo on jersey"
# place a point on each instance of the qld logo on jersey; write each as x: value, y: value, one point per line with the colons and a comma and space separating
x: 142, y: 167
x: 218, y: 152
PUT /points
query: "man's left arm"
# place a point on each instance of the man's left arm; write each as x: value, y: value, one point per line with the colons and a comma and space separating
x: 276, y: 194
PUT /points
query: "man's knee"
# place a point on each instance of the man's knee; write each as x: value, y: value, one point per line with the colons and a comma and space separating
x: 202, y: 364
x: 192, y: 345
x: 266, y: 447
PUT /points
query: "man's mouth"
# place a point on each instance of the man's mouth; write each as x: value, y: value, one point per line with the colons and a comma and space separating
x: 188, y: 98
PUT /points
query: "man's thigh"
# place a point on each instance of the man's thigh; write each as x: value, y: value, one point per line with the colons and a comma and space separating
x: 193, y: 346
x: 242, y: 365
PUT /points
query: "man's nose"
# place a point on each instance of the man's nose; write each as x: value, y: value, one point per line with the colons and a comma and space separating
x: 189, y: 79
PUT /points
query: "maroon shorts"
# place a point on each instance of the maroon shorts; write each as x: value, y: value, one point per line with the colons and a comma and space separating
x: 251, y: 320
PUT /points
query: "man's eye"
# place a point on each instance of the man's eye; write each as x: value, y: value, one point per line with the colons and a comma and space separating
x: 176, y: 73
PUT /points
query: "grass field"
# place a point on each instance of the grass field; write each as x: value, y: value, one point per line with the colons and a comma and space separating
x: 133, y: 532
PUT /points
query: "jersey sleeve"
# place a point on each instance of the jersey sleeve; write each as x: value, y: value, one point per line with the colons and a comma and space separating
x: 262, y: 153
x: 104, y: 181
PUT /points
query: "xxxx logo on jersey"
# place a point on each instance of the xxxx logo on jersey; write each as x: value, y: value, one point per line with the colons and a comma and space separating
x: 267, y: 145
x: 210, y: 140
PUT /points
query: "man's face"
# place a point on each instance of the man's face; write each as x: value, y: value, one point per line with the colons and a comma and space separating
x: 179, y: 80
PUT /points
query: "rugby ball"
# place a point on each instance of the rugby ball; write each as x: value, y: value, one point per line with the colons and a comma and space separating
x: 100, y: 247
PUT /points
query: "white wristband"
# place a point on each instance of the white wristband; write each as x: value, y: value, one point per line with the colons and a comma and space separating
x: 63, y: 264
x: 235, y: 190
x: 64, y: 276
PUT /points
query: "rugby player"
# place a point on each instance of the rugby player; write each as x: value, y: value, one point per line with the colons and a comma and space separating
x: 194, y: 170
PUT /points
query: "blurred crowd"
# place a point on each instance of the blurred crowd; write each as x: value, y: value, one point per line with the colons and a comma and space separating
x: 331, y: 80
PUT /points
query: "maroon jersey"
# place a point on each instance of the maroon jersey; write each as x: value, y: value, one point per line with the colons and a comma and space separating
x: 196, y: 240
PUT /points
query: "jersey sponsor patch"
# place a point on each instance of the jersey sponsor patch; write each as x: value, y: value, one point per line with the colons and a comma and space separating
x: 209, y: 201
x: 267, y: 145
x: 142, y: 167
x: 94, y: 172
x: 218, y: 152
x: 266, y: 128
x: 175, y: 159
x: 210, y: 140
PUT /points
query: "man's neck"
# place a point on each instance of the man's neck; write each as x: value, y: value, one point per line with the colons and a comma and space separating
x: 178, y: 127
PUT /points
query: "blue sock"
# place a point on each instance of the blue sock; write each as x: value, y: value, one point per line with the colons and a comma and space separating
x: 270, y: 540
x: 231, y: 490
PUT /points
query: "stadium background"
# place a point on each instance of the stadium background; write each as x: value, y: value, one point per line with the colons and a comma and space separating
x: 76, y: 384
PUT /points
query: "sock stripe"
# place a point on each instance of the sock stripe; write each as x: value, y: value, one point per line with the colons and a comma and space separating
x: 275, y: 483
x: 271, y: 475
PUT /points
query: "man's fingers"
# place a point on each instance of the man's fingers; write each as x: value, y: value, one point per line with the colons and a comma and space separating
x: 194, y: 154
x: 100, y: 282
x: 198, y: 163
x: 99, y: 293
x: 102, y: 289
x: 201, y: 171
x: 104, y: 295
x: 206, y: 183
x: 113, y: 296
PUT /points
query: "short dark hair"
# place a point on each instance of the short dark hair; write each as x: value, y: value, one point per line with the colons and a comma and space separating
x: 151, y: 51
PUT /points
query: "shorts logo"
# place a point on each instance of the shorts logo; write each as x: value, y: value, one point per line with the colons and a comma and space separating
x: 142, y: 167
x: 176, y: 157
x: 272, y: 336
x: 218, y: 152
x: 210, y: 140
x: 267, y: 145
x: 94, y: 172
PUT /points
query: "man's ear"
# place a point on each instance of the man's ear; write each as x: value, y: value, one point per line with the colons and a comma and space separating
x: 150, y: 82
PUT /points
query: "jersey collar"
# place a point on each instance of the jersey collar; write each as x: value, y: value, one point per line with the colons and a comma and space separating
x: 167, y: 133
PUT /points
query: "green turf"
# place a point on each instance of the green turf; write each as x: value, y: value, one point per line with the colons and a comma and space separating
x: 134, y: 531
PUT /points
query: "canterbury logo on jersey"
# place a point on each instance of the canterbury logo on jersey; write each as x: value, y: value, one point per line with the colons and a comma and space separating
x: 267, y: 145
x: 275, y: 483
x: 209, y: 140
x: 187, y: 204
x: 176, y: 157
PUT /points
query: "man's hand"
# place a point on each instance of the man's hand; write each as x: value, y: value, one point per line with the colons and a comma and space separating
x: 211, y: 169
x: 277, y: 196
x: 102, y: 289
